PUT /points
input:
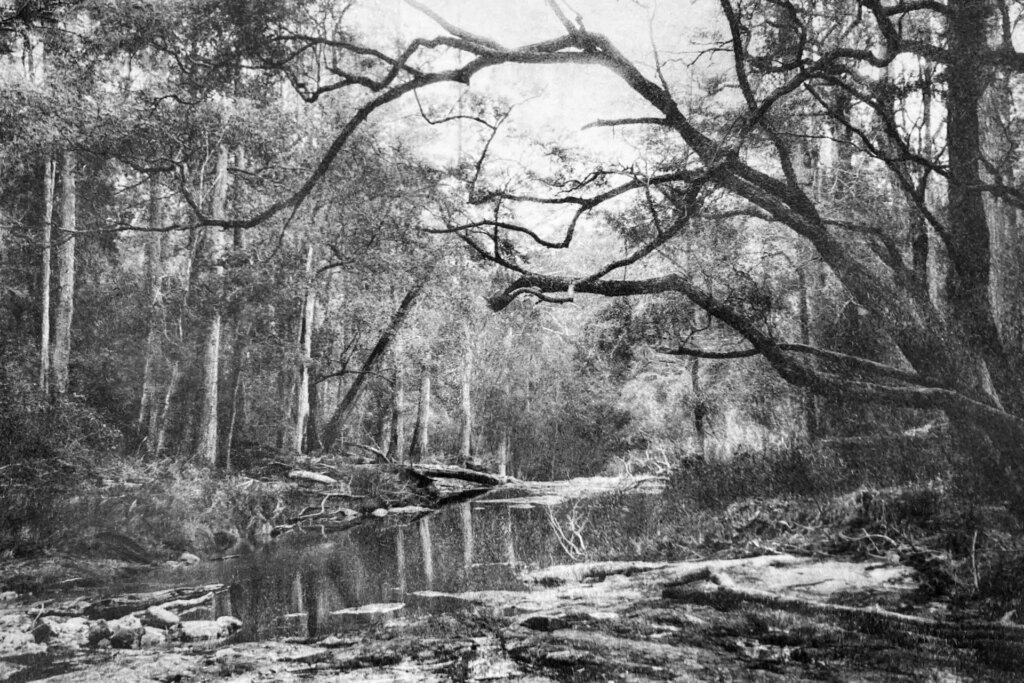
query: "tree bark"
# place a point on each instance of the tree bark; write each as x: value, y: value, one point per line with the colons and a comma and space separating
x: 810, y: 403
x: 236, y: 387
x: 396, y: 439
x: 503, y: 452
x: 206, y: 448
x: 420, y: 448
x: 313, y: 441
x: 148, y: 411
x: 466, y: 404
x: 305, y: 352
x: 49, y: 172
x: 61, y: 350
x: 332, y: 430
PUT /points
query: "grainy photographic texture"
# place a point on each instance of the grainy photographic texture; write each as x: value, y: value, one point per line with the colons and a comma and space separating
x: 511, y: 340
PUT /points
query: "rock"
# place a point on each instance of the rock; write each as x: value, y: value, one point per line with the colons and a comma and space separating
x: 189, y: 558
x: 230, y: 624
x: 43, y: 631
x: 231, y: 662
x: 73, y: 633
x: 98, y: 631
x: 159, y: 617
x: 126, y: 632
x: 153, y: 637
x: 191, y: 631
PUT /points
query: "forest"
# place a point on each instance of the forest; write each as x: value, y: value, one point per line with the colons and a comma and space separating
x: 763, y: 255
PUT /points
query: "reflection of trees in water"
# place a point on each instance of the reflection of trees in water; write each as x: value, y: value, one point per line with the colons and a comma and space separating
x: 427, y: 549
x: 471, y: 546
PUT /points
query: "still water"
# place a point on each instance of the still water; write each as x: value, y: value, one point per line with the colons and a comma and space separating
x: 312, y: 585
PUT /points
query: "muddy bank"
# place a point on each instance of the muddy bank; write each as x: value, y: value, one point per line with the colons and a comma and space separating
x: 771, y: 617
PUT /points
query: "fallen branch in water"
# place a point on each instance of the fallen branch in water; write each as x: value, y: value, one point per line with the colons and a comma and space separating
x: 120, y: 605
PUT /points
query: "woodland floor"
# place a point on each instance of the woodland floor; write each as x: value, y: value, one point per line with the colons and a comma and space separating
x: 781, y: 616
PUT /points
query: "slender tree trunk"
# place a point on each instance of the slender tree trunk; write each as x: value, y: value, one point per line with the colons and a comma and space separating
x: 313, y: 442
x: 206, y: 448
x: 420, y: 448
x: 61, y: 351
x: 699, y: 408
x: 810, y: 403
x: 396, y: 439
x: 49, y: 171
x: 466, y: 405
x: 305, y: 357
x: 503, y: 452
x: 177, y: 370
x: 148, y: 410
x: 236, y: 387
x: 332, y: 431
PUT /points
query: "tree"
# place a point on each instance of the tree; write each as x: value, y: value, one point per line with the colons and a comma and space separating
x: 206, y: 448
x: 61, y: 349
x: 739, y: 166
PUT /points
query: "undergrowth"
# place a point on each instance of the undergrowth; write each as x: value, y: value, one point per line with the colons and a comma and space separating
x: 914, y: 507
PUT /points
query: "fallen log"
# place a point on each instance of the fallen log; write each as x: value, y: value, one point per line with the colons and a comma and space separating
x: 117, y: 606
x: 306, y: 475
x: 461, y: 473
x: 589, y: 571
x: 716, y: 589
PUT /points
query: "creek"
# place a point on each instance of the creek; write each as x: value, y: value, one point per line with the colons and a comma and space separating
x: 312, y: 585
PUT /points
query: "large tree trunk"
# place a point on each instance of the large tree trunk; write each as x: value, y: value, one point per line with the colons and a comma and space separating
x: 148, y: 409
x: 420, y: 448
x: 49, y: 172
x: 305, y: 352
x: 332, y: 431
x: 206, y: 447
x: 61, y: 350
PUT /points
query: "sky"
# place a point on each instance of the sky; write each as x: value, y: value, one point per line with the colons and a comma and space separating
x: 558, y: 98
x: 552, y: 103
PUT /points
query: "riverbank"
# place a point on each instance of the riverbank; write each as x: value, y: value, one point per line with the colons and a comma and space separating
x: 770, y: 617
x: 867, y: 586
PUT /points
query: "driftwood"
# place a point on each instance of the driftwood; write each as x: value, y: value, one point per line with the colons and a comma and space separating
x: 187, y: 603
x: 118, y: 606
x: 716, y: 589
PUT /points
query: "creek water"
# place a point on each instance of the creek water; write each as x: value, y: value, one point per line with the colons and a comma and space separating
x: 311, y: 585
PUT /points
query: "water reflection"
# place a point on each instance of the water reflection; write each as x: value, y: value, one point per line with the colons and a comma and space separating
x: 310, y: 585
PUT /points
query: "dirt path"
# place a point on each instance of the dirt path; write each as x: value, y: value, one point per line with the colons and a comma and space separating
x: 600, y: 621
